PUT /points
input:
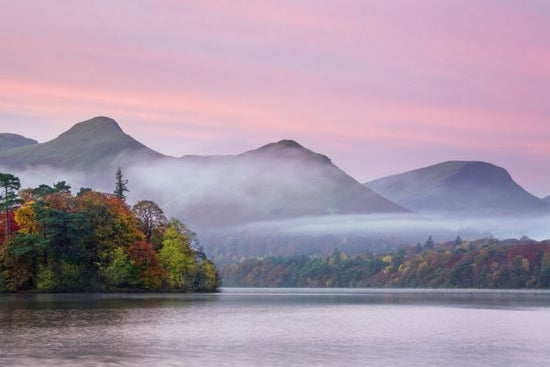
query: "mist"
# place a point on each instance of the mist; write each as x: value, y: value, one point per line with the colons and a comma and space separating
x: 261, y: 204
x: 409, y: 226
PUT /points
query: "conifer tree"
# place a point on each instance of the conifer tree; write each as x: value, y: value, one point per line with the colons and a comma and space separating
x: 9, y: 184
x: 430, y: 243
x: 121, y: 185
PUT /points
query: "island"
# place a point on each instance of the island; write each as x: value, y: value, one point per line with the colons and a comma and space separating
x: 54, y: 241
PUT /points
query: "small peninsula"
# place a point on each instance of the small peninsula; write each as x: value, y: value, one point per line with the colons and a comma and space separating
x: 54, y: 241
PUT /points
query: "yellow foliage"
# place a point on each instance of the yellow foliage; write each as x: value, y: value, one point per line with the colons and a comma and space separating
x: 525, y: 264
x: 25, y: 217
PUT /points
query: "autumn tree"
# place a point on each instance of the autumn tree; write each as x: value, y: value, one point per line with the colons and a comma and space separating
x: 112, y: 222
x: 206, y: 278
x: 9, y: 198
x: 92, y: 241
x: 121, y: 185
x: 13, y: 227
x: 149, y: 272
x: 151, y: 218
x: 177, y: 258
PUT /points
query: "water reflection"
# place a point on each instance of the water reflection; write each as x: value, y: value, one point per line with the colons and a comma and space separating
x: 278, y: 327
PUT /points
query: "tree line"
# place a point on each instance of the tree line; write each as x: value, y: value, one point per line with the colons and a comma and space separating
x: 55, y: 241
x: 485, y: 263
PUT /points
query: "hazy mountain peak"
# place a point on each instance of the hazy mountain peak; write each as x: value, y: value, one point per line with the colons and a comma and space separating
x: 96, y: 125
x: 286, y: 149
x: 282, y: 144
x: 98, y: 142
x: 289, y: 143
x: 468, y: 171
x: 459, y: 188
x: 10, y: 141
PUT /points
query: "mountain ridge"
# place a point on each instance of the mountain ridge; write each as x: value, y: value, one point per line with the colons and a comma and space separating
x: 10, y: 141
x: 275, y: 181
x: 95, y: 143
x: 459, y: 188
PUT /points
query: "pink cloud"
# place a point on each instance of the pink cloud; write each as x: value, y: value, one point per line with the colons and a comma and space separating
x: 451, y: 79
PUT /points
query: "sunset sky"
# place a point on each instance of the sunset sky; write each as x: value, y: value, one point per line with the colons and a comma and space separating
x: 379, y: 86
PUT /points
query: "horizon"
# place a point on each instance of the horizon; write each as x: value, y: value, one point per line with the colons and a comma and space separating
x: 415, y: 83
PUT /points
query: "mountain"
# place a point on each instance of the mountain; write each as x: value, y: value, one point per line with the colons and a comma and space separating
x: 10, y: 141
x: 460, y: 189
x: 546, y: 199
x: 277, y: 181
x: 279, y: 198
x: 98, y: 143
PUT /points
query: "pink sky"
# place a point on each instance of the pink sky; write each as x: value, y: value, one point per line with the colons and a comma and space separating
x: 378, y: 86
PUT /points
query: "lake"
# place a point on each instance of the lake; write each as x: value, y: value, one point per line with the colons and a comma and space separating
x: 278, y: 327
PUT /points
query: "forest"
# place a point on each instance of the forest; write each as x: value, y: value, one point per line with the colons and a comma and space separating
x: 54, y: 241
x: 485, y: 263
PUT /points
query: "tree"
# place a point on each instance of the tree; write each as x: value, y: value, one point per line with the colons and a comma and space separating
x: 144, y: 258
x: 177, y: 258
x: 93, y: 241
x: 121, y: 185
x: 13, y: 226
x: 61, y: 186
x: 430, y: 243
x: 8, y: 199
x: 150, y: 216
x: 83, y: 190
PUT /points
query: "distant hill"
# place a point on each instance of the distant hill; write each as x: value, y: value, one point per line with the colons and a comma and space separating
x: 460, y: 189
x: 10, y: 141
x: 282, y: 197
x: 278, y: 199
x: 546, y: 199
x: 277, y: 181
x: 97, y: 143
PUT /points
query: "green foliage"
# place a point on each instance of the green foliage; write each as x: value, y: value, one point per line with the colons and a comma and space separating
x: 93, y: 241
x: 45, y: 279
x: 186, y: 269
x: 120, y: 272
x: 175, y: 257
x: 458, y: 264
x: 9, y: 198
x: 206, y: 277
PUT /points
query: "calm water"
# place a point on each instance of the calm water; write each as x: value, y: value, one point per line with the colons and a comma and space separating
x: 262, y: 327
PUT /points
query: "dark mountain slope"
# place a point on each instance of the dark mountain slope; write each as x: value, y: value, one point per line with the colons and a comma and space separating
x: 11, y: 141
x: 460, y: 189
x: 91, y: 144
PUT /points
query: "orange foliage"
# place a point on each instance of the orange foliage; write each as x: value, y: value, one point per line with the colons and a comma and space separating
x: 114, y: 223
x: 59, y: 200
